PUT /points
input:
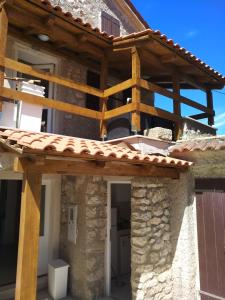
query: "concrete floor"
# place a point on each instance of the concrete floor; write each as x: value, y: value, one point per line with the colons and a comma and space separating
x: 43, y: 295
x: 121, y: 288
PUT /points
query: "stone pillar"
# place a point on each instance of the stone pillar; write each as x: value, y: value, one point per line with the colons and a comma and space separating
x: 150, y: 240
x: 86, y: 257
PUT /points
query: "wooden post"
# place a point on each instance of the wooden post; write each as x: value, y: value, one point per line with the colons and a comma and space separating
x: 210, y: 106
x: 103, y: 101
x: 176, y: 106
x: 3, y: 41
x: 136, y: 90
x: 27, y: 262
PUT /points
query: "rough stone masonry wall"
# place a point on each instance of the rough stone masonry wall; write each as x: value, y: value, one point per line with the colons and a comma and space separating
x: 86, y: 257
x: 151, y: 240
x: 90, y: 12
x: 164, y: 259
x: 70, y: 124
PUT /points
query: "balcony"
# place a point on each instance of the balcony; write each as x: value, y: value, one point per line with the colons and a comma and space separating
x: 145, y: 63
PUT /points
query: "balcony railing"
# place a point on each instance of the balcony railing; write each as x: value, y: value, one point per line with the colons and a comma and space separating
x: 135, y: 107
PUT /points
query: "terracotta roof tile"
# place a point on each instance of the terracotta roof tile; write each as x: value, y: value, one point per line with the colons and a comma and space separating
x: 204, y: 144
x: 169, y: 42
x: 52, y: 144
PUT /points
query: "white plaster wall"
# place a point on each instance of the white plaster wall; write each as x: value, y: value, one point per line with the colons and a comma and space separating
x: 183, y: 237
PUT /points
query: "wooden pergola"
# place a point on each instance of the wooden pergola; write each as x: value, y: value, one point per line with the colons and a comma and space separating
x: 135, y: 57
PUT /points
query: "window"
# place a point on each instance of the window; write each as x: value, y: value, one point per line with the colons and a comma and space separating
x: 110, y: 25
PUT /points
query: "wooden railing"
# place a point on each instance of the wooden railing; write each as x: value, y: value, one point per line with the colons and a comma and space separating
x: 135, y: 108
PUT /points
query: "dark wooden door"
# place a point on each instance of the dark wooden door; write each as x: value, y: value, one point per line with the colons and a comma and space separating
x: 211, y: 243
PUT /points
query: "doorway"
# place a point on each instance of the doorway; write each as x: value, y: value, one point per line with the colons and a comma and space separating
x: 10, y: 195
x: 43, y: 62
x: 118, y: 273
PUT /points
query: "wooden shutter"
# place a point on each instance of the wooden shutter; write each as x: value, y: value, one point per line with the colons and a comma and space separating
x: 110, y: 25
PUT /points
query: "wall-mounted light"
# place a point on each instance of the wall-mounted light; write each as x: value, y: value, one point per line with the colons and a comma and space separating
x: 43, y: 37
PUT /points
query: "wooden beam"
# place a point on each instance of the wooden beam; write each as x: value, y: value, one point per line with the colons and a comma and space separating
x: 151, y: 110
x: 21, y: 19
x: 162, y: 91
x: 56, y: 50
x: 96, y: 168
x: 27, y: 263
x: 3, y: 41
x: 193, y: 82
x: 103, y: 101
x: 119, y: 88
x: 136, y: 90
x: 209, y: 96
x: 23, y: 68
x: 121, y: 110
x: 176, y: 106
x: 51, y: 103
x: 176, y: 91
x: 202, y: 116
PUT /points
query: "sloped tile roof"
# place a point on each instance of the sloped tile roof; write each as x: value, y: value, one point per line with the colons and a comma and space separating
x: 204, y: 144
x: 170, y: 43
x: 155, y: 33
x: 52, y: 144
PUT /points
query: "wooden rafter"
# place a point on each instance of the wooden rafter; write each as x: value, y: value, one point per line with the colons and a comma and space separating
x: 21, y: 19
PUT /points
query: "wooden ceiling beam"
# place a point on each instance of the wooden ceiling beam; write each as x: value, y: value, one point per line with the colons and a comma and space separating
x: 22, y: 165
x: 21, y: 20
x: 35, y: 7
x: 54, y: 48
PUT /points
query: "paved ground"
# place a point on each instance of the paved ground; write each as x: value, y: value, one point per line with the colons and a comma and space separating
x: 43, y: 295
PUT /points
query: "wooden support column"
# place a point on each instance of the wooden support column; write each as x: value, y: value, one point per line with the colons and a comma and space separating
x: 103, y: 101
x: 136, y: 90
x: 177, y: 106
x: 27, y: 262
x: 3, y: 41
x: 210, y: 106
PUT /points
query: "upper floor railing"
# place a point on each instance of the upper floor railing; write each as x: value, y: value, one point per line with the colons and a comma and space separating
x: 136, y: 107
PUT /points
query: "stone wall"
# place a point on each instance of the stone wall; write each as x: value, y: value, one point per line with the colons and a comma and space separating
x: 164, y: 245
x: 90, y: 12
x: 70, y: 124
x: 86, y: 257
x: 163, y: 242
x: 151, y: 240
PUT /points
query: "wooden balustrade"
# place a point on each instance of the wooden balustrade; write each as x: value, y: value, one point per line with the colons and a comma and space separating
x: 135, y: 108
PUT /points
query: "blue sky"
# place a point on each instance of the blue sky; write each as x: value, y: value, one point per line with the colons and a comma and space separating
x: 199, y: 26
